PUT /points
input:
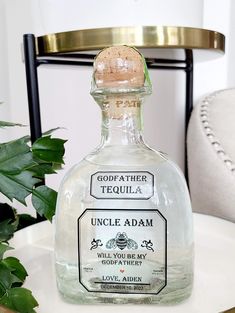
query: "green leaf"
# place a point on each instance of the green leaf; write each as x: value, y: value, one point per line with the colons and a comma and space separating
x: 7, y: 230
x: 20, y: 300
x: 49, y: 132
x: 146, y: 73
x: 49, y: 149
x: 6, y: 279
x: 8, y: 124
x: 3, y: 248
x: 4, y: 309
x: 16, y: 268
x: 15, y: 156
x: 44, y: 201
x: 41, y: 170
x: 17, y: 186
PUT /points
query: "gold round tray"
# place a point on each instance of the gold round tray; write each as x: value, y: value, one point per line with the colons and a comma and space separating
x: 140, y: 37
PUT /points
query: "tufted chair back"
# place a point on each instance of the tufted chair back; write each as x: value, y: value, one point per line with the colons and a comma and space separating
x: 211, y: 155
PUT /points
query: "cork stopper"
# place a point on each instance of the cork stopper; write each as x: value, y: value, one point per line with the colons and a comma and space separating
x: 119, y: 67
x: 120, y: 79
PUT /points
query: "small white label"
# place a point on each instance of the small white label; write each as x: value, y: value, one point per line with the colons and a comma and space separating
x: 122, y: 185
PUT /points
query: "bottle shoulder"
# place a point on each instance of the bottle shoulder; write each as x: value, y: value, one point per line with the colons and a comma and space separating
x: 136, y: 155
x: 124, y: 159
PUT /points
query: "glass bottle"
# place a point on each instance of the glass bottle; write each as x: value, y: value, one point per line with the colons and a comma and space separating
x: 123, y: 217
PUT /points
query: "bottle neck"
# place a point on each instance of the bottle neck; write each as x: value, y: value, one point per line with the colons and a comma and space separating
x: 122, y: 120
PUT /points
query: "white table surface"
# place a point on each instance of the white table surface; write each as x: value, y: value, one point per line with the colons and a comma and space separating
x: 214, y: 283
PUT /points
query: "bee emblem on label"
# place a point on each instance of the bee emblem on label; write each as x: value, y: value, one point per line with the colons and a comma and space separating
x: 121, y: 241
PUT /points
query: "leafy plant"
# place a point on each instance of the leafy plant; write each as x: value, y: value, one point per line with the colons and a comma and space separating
x: 22, y: 171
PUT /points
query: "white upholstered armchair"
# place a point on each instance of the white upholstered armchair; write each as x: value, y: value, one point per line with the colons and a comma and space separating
x: 211, y: 155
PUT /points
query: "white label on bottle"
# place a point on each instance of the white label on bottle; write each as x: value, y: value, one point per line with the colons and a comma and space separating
x: 138, y: 185
x: 122, y: 250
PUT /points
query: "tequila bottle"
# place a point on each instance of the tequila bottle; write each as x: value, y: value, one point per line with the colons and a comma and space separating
x: 123, y: 217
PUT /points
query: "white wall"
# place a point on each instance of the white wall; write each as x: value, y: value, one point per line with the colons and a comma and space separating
x: 58, y: 15
x: 64, y: 91
x: 18, y: 21
x: 231, y: 47
x: 213, y: 73
x: 4, y: 92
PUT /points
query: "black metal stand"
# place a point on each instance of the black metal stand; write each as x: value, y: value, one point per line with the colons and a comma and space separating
x: 31, y: 64
x: 32, y: 61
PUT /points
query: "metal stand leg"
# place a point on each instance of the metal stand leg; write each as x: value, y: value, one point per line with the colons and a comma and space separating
x: 189, y: 86
x: 188, y: 102
x: 32, y: 90
x: 32, y: 86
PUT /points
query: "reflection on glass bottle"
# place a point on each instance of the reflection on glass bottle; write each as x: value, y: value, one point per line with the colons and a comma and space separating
x: 123, y: 217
